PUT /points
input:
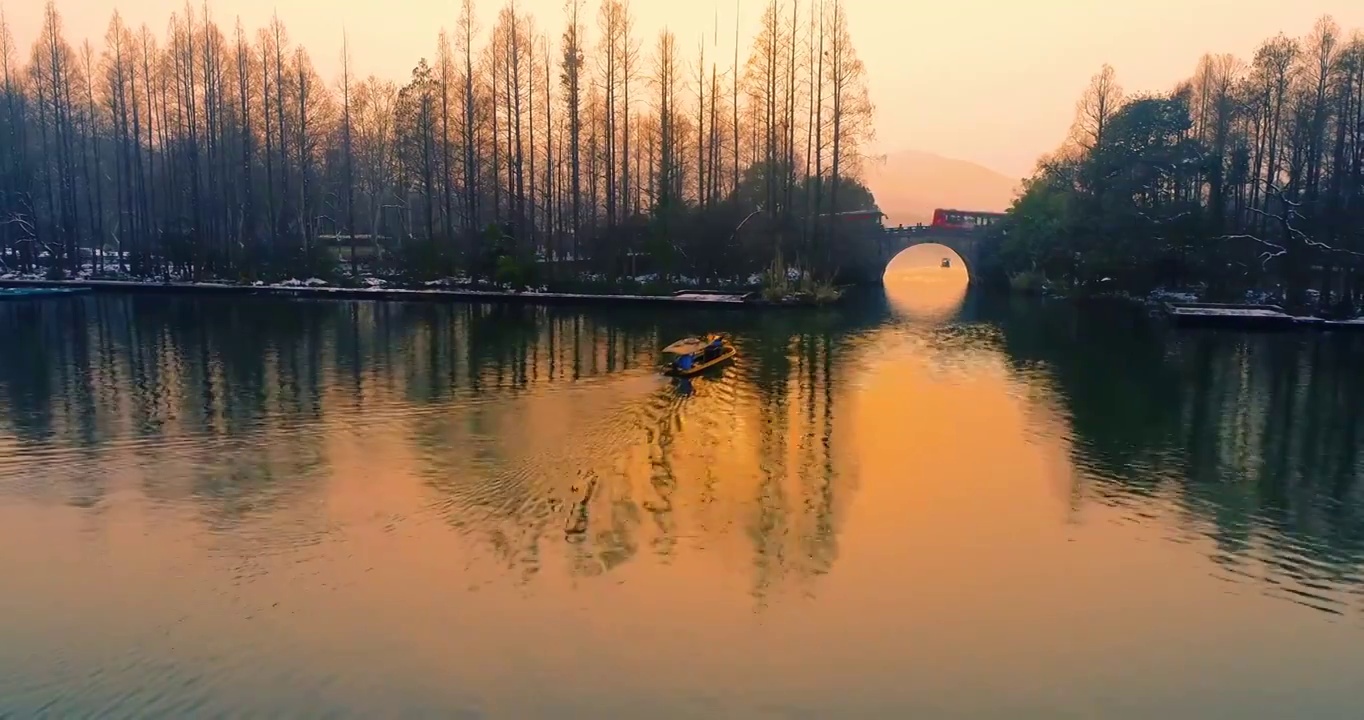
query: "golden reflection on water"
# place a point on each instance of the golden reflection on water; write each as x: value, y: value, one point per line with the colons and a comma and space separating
x: 378, y: 511
x: 919, y: 288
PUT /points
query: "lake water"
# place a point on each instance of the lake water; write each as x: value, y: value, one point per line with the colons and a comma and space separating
x: 925, y: 505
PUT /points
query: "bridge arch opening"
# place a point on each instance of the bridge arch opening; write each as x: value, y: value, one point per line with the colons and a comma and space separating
x: 919, y: 287
x: 916, y: 261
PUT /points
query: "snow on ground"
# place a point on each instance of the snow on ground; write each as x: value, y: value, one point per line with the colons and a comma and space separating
x: 294, y: 282
x: 692, y: 297
x: 87, y: 271
x: 457, y: 281
x: 456, y: 287
x: 1166, y: 295
x: 1230, y: 312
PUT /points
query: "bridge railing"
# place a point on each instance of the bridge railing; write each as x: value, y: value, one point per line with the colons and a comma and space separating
x: 904, y: 230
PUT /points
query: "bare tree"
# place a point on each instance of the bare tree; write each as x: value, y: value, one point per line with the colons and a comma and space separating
x: 851, y: 112
x: 1096, y: 108
x: 571, y: 80
x: 348, y: 148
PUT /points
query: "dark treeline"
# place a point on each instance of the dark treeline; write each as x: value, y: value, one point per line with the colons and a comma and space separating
x: 212, y: 151
x: 1249, y: 175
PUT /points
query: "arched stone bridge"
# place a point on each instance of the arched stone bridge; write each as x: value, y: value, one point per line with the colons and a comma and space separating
x: 874, y: 245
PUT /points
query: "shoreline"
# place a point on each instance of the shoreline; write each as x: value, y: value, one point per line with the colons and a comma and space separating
x: 1248, y: 317
x: 1182, y: 310
x: 694, y: 299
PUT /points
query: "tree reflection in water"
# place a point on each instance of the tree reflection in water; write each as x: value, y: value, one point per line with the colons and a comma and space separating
x: 1254, y: 438
x: 516, y: 418
x: 546, y: 436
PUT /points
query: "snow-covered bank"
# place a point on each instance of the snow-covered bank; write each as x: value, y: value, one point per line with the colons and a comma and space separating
x: 377, y: 289
x: 1185, y: 307
x: 1251, y: 317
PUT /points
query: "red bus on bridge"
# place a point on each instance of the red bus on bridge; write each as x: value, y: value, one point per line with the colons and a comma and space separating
x: 964, y: 219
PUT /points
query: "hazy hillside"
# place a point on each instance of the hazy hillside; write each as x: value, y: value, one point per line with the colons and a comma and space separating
x: 909, y: 184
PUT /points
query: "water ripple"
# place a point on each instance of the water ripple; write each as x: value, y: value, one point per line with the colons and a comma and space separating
x: 353, y: 509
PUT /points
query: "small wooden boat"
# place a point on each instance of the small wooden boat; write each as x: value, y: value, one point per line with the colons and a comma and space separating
x: 38, y: 293
x: 693, y: 356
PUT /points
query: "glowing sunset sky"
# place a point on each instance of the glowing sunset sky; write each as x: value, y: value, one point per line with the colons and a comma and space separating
x: 992, y: 81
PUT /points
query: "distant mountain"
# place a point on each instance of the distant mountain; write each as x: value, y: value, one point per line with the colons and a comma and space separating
x: 909, y: 185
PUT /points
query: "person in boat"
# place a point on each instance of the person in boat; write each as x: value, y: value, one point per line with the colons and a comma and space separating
x: 713, y: 349
x: 684, y: 363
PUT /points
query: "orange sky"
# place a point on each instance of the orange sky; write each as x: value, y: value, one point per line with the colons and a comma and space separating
x: 992, y: 81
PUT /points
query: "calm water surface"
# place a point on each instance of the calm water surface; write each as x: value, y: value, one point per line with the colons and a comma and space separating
x: 928, y: 505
